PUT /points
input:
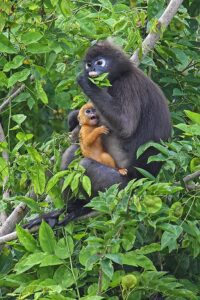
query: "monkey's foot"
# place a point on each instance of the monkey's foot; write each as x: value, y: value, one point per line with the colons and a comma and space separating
x: 123, y: 171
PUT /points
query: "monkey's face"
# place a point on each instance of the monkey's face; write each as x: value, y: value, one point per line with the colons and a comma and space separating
x: 88, y: 115
x: 97, y: 66
x: 91, y: 115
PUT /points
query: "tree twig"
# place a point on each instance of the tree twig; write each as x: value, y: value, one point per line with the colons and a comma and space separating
x: 151, y: 39
x: 190, y: 177
x: 7, y: 101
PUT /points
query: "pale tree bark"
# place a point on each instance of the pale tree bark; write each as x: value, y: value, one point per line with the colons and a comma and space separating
x: 151, y: 39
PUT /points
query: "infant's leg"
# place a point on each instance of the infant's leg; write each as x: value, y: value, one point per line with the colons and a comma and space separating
x: 107, y: 160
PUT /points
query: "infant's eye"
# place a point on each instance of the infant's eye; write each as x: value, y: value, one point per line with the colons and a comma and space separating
x: 101, y: 62
x: 88, y: 65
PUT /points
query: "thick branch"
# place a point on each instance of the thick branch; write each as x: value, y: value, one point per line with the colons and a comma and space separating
x: 13, y: 236
x: 151, y: 39
x: 16, y: 216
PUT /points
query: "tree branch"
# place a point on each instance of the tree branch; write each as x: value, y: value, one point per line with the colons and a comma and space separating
x: 15, y: 217
x: 151, y: 39
x: 13, y: 236
x: 14, y: 94
x: 190, y: 177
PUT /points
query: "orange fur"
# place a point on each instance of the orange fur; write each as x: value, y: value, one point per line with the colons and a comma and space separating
x: 90, y: 138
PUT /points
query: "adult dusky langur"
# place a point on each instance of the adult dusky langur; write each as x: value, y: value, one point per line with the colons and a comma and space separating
x: 133, y: 108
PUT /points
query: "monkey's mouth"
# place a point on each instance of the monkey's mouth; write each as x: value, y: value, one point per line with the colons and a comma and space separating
x: 93, y: 118
x: 93, y: 74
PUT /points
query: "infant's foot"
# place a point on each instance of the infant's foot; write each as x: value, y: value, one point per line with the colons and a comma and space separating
x: 123, y: 171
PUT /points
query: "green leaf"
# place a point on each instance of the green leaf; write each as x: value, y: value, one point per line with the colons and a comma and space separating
x: 28, y: 262
x: 64, y: 277
x: 54, y: 180
x: 132, y: 258
x: 21, y: 136
x: 38, y: 48
x: 107, y: 268
x: 64, y: 248
x: 65, y: 7
x: 26, y: 239
x: 67, y: 180
x: 14, y: 64
x: 5, y: 45
x: 146, y: 174
x: 159, y: 147
x: 152, y: 204
x: 31, y: 37
x: 38, y: 178
x: 30, y: 203
x: 19, y: 118
x: 189, y: 129
x: 40, y: 92
x: 50, y: 260
x: 34, y: 154
x: 46, y: 238
x: 3, y: 79
x: 18, y: 77
x: 4, y: 171
x: 86, y: 183
x: 194, y: 117
x: 169, y: 237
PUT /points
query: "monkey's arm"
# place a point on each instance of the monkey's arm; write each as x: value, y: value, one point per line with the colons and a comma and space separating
x: 89, y: 137
x: 123, y: 121
x: 73, y: 119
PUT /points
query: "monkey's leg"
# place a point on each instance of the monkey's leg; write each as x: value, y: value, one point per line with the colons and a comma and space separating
x: 101, y: 176
x: 107, y: 160
x: 68, y: 156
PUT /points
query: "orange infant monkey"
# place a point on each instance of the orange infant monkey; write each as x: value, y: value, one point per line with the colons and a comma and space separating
x: 90, y: 137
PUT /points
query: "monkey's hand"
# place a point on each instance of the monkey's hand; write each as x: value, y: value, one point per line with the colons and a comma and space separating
x: 103, y: 129
x: 86, y: 85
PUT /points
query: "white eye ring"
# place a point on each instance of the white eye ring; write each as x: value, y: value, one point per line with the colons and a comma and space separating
x: 87, y: 65
x: 101, y: 62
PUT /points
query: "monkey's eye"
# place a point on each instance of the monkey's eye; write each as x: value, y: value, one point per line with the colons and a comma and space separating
x: 101, y: 62
x: 88, y: 65
x: 87, y: 111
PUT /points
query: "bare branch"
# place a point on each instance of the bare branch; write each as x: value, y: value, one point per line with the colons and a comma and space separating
x: 151, y: 39
x: 16, y: 216
x: 13, y: 235
x: 12, y: 96
x: 190, y: 177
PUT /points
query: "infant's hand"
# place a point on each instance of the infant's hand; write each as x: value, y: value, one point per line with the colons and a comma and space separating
x: 103, y: 129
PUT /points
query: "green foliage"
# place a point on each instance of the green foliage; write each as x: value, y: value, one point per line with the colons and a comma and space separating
x: 144, y: 243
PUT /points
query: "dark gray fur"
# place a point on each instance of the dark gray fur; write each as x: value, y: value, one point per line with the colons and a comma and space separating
x: 133, y: 108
